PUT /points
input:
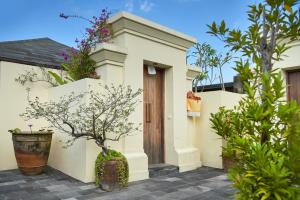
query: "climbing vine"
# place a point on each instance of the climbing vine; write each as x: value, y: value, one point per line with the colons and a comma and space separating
x: 122, y: 166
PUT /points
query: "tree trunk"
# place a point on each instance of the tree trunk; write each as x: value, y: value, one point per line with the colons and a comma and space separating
x: 104, y: 150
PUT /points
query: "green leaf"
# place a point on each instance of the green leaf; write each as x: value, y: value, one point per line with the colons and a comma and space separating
x: 57, y: 78
x: 288, y: 8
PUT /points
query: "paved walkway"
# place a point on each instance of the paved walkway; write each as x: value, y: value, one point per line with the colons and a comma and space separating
x: 203, y: 183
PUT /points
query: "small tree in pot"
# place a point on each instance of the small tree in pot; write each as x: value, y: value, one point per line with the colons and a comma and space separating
x: 104, y: 118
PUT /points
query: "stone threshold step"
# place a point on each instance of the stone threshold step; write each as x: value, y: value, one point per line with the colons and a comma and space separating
x: 163, y: 169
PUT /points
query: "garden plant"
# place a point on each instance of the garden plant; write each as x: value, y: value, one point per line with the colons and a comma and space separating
x: 263, y: 131
x: 34, y: 146
x: 209, y: 60
x: 104, y: 118
x: 78, y: 63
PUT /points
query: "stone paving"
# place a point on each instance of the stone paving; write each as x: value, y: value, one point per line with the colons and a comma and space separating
x: 204, y: 183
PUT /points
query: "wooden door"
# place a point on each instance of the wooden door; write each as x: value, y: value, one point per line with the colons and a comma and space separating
x: 153, y: 116
x: 293, y: 81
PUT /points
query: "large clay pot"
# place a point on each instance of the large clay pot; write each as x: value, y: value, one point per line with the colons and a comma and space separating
x: 32, y: 151
x: 110, y: 180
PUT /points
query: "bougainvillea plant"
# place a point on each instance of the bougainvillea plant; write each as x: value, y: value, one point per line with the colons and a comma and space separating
x: 79, y: 64
x: 99, y: 32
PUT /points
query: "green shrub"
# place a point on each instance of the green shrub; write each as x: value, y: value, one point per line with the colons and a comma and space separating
x: 263, y: 131
x: 263, y: 174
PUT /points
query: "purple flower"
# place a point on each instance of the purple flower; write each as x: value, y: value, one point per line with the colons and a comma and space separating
x: 62, y: 15
x: 104, y: 30
x: 73, y: 50
x: 64, y: 55
x: 89, y: 30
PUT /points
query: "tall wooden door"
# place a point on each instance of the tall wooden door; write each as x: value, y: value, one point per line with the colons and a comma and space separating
x: 153, y: 116
x: 293, y: 81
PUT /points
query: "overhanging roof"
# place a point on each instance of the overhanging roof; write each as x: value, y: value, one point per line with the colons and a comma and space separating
x: 37, y: 52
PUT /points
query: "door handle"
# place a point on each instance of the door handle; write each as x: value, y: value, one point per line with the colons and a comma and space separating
x: 148, y: 112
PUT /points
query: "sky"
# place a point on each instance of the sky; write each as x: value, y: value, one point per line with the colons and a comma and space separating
x: 27, y: 19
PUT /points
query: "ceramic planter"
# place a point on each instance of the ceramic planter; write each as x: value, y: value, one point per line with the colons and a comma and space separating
x: 110, y: 180
x: 193, y: 104
x: 32, y: 151
x: 193, y: 107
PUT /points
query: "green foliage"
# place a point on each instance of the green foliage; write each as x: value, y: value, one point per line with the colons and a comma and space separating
x: 80, y: 66
x: 263, y: 130
x: 209, y: 60
x: 16, y: 130
x: 31, y: 76
x: 122, y: 166
x: 269, y: 169
x: 293, y: 150
x: 58, y: 78
x: 264, y: 174
x: 274, y: 25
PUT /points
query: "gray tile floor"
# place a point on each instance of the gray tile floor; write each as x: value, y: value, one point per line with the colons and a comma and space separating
x: 203, y: 183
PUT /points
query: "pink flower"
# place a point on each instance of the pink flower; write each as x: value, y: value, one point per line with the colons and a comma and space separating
x: 89, y: 30
x: 104, y: 30
x: 64, y: 55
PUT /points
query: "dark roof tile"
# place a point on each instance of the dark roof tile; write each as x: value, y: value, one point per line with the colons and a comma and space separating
x: 38, y: 52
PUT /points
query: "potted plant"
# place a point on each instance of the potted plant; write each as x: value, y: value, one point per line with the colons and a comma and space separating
x: 193, y: 104
x: 222, y: 123
x: 31, y: 149
x: 228, y: 158
x: 104, y: 118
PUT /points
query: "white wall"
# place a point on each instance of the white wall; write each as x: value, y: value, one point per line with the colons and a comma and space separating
x: 291, y: 58
x: 209, y: 143
x: 12, y: 103
x: 77, y: 160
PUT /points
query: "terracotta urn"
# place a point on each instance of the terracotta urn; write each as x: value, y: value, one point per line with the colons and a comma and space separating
x: 32, y: 150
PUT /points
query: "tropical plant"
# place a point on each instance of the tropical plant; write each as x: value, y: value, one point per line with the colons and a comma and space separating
x: 80, y: 64
x: 209, y: 60
x: 263, y: 129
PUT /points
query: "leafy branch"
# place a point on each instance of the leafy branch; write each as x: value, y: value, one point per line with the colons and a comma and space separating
x: 105, y: 116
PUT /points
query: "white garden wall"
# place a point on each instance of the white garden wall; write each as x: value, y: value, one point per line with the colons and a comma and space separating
x: 12, y: 103
x: 209, y: 143
x: 200, y: 133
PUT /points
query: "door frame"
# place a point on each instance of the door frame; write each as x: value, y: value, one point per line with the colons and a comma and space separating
x: 287, y: 72
x: 162, y: 111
